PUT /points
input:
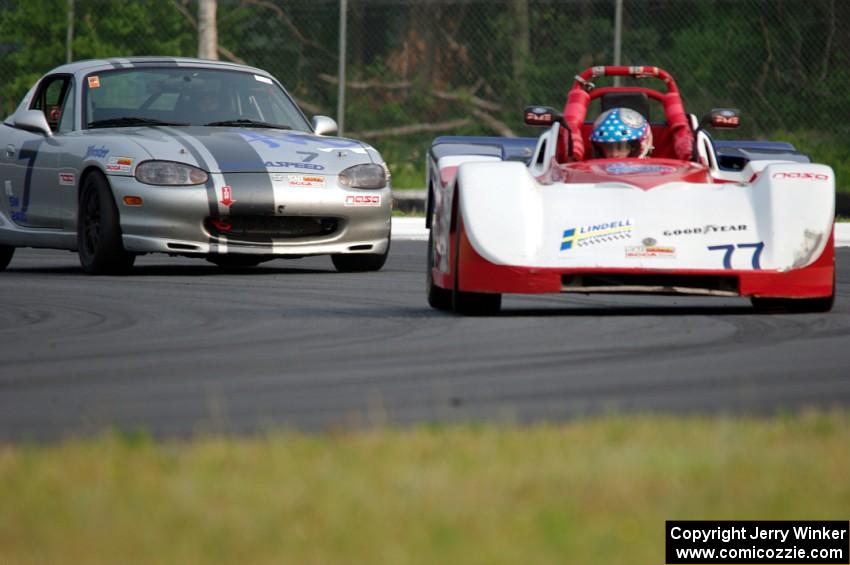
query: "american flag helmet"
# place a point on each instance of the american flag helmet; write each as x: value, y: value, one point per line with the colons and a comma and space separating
x: 621, y: 132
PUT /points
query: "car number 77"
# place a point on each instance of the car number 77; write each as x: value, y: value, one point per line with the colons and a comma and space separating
x: 730, y: 249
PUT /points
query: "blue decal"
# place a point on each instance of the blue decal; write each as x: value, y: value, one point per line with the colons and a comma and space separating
x: 630, y: 168
x: 727, y: 257
x: 730, y: 249
x: 757, y: 249
x: 14, y: 202
x: 309, y: 156
x: 28, y: 152
x: 99, y: 152
x: 273, y: 142
x: 568, y: 239
x: 262, y: 138
x: 19, y: 217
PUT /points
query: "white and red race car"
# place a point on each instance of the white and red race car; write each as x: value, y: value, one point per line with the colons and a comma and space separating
x: 697, y: 217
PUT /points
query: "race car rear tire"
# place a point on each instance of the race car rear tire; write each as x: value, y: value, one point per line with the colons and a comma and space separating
x: 236, y: 261
x: 6, y: 252
x: 438, y: 298
x: 794, y: 305
x: 99, y: 243
x: 360, y: 262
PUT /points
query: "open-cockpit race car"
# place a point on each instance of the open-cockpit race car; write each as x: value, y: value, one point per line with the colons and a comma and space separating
x: 693, y: 217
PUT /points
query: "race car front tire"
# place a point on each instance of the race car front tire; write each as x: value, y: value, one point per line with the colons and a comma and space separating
x: 99, y: 244
x: 796, y: 305
x: 438, y: 298
x: 793, y: 305
x: 476, y: 303
x: 360, y: 262
x: 6, y: 252
x: 236, y: 261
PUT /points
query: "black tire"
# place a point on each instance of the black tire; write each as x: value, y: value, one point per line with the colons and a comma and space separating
x: 6, y: 253
x: 438, y: 298
x: 99, y: 242
x: 360, y: 262
x: 794, y: 305
x: 472, y: 303
x: 236, y: 261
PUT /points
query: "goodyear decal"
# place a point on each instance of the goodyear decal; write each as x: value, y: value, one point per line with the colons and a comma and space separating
x: 596, y: 233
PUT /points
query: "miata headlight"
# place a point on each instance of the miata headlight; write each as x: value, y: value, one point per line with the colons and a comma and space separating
x: 364, y: 176
x: 169, y: 173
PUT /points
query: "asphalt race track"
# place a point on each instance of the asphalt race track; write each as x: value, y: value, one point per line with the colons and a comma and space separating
x: 181, y: 348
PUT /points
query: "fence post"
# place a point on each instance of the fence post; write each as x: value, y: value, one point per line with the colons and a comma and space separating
x: 207, y: 30
x: 618, y: 35
x: 340, y: 99
x: 69, y: 37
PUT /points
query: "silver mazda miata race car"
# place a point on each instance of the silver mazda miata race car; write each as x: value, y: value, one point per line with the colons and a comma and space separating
x: 120, y: 157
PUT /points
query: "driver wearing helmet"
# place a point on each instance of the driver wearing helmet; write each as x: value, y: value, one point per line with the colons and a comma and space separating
x: 620, y: 133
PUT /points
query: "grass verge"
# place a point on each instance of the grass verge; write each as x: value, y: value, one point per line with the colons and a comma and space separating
x: 596, y: 491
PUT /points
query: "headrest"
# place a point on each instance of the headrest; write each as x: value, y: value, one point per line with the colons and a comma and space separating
x: 636, y: 101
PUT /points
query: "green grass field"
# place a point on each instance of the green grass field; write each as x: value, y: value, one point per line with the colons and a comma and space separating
x: 596, y: 491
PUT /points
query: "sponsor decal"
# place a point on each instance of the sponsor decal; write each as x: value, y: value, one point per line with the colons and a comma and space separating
x: 67, y: 179
x: 308, y: 181
x: 293, y: 165
x: 634, y: 168
x: 539, y: 115
x: 119, y: 165
x: 8, y: 185
x: 721, y: 120
x: 707, y: 229
x: 19, y: 217
x: 94, y: 81
x: 227, y: 195
x: 596, y: 233
x: 363, y: 200
x: 94, y: 151
x: 801, y: 176
x: 14, y: 202
x: 263, y: 79
x: 651, y: 251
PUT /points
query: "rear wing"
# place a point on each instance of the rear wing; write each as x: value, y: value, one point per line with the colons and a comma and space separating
x: 734, y: 155
x: 506, y: 148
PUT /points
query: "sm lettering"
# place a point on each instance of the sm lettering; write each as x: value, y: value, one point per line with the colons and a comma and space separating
x: 363, y: 200
x: 801, y: 176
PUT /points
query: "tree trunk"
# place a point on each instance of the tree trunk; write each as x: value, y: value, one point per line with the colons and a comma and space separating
x: 207, y: 31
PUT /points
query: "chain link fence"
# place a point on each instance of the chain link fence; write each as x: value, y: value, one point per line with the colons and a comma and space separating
x: 420, y: 68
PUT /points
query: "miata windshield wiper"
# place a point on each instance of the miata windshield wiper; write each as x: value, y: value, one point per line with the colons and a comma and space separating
x: 248, y: 123
x: 131, y: 121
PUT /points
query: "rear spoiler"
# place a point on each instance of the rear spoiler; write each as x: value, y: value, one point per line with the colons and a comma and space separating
x: 734, y: 155
x: 506, y: 148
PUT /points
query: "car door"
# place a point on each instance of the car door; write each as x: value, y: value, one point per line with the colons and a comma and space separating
x: 32, y: 181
